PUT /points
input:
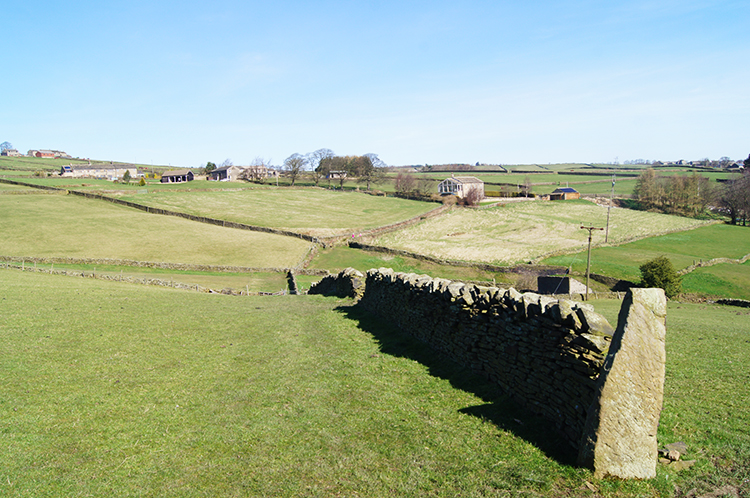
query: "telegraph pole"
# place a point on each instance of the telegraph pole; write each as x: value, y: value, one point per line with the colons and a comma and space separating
x: 611, y: 196
x: 588, y: 259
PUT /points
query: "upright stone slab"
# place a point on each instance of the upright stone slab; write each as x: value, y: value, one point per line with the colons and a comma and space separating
x: 619, y: 438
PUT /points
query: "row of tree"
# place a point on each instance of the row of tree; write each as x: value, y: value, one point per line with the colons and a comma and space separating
x: 692, y: 194
x: 323, y: 163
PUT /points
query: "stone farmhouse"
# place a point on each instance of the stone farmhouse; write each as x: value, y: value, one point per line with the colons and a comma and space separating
x: 460, y: 186
x: 178, y: 176
x: 236, y: 173
x: 226, y: 174
x: 111, y: 174
x: 10, y: 153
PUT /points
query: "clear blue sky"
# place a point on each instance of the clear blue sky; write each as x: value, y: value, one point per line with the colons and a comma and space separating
x: 416, y: 82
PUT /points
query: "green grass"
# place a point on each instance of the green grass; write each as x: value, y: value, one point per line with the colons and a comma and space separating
x: 725, y: 280
x: 118, y: 389
x: 682, y: 248
x: 127, y: 390
x: 313, y: 211
x: 523, y: 231
x: 58, y: 225
x: 338, y: 258
x: 252, y: 282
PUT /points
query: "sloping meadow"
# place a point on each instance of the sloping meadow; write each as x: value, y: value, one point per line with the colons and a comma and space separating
x: 43, y: 225
x: 525, y: 231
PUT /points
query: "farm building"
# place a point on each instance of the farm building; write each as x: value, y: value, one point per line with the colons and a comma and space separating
x: 48, y: 154
x: 460, y: 186
x: 111, y: 174
x: 564, y: 193
x: 10, y: 153
x: 226, y: 174
x: 178, y: 176
x: 335, y: 175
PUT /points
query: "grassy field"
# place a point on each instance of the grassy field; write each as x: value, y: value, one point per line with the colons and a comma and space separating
x: 683, y: 249
x: 520, y: 232
x: 117, y: 389
x: 59, y: 225
x: 312, y: 211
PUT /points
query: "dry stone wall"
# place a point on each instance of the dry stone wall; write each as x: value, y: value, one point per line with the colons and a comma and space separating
x: 546, y: 353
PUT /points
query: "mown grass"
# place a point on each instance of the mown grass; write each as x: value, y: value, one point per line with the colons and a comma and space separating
x: 58, y: 225
x: 683, y: 249
x: 315, y: 211
x: 524, y: 231
x: 118, y: 389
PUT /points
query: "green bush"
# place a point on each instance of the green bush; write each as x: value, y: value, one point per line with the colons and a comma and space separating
x: 659, y: 272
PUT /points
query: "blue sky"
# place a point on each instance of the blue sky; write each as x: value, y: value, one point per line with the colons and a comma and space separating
x: 416, y: 82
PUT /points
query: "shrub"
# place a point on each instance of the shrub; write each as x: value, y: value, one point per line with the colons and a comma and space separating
x: 659, y: 272
x: 142, y: 182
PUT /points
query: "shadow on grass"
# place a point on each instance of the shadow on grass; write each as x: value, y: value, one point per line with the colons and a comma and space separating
x: 499, y: 409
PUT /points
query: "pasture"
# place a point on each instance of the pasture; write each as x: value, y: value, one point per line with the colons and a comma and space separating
x: 525, y: 231
x: 112, y: 388
x: 683, y: 249
x: 62, y: 225
x: 312, y: 211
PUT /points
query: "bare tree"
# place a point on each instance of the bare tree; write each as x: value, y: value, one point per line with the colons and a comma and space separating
x: 404, y: 183
x: 5, y: 146
x: 257, y: 171
x: 227, y: 162
x: 424, y: 185
x: 294, y: 165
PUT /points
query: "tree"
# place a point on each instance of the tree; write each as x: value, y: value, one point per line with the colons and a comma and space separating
x: 209, y: 167
x: 5, y: 146
x: 314, y: 159
x: 294, y: 165
x: 659, y: 272
x: 372, y: 169
x: 746, y: 162
x: 126, y: 176
x: 404, y: 183
x: 257, y: 171
x: 227, y: 162
x: 735, y: 198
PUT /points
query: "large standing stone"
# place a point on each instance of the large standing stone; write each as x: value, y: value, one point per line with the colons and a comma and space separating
x: 619, y: 438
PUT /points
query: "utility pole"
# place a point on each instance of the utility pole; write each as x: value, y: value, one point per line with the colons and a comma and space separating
x: 588, y: 259
x: 611, y: 196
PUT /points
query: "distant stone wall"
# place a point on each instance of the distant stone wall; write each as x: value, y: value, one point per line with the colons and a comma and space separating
x: 556, y: 357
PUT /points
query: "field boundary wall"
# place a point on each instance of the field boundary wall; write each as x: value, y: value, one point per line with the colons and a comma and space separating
x: 156, y: 264
x: 548, y: 354
x: 134, y: 280
x: 165, y: 212
x: 535, y: 269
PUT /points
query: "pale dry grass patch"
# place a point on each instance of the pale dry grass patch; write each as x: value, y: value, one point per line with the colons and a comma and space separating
x: 522, y: 232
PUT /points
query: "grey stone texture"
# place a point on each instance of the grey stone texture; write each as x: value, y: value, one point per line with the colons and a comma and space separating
x: 602, y: 388
x: 619, y: 437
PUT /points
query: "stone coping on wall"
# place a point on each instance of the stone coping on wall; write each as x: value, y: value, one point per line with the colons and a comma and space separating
x: 559, y: 358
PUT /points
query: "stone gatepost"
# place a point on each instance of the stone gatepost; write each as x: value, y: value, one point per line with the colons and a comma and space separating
x: 619, y: 438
